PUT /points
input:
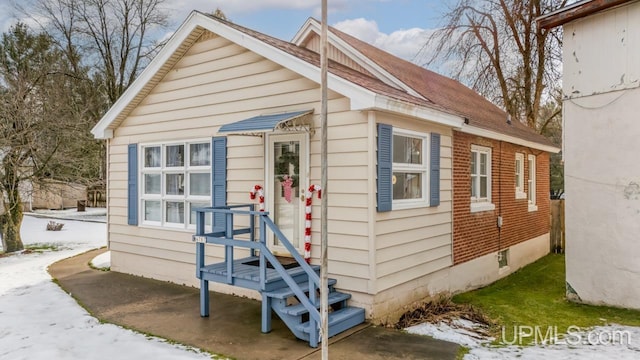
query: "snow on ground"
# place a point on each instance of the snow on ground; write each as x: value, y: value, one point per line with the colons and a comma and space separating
x: 40, y: 321
x: 91, y: 214
x: 460, y: 332
x: 102, y: 261
x: 602, y: 342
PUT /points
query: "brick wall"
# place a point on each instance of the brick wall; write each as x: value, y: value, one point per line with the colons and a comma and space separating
x: 477, y: 234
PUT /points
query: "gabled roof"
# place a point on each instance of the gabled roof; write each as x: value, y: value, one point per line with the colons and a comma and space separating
x: 365, y: 92
x: 389, y: 84
x: 482, y: 117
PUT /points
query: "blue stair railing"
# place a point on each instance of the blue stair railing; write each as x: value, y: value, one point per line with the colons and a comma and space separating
x: 306, y: 296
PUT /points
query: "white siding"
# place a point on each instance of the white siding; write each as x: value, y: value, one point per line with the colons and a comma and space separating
x: 214, y: 83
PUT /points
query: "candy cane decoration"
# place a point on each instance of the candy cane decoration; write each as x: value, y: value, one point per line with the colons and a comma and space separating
x: 307, y: 222
x: 252, y: 194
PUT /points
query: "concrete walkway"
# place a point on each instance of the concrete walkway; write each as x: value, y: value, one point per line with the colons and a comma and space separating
x: 233, y: 329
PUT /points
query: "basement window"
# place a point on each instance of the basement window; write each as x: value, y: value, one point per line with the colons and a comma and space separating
x: 503, y: 258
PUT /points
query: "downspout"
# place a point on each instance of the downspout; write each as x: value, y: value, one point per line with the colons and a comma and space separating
x: 499, y: 220
x: 371, y: 208
x: 106, y: 188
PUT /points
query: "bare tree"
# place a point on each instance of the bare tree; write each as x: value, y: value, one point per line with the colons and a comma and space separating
x: 117, y: 38
x: 34, y: 120
x: 499, y: 52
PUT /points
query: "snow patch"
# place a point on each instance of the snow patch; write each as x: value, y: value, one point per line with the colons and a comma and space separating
x: 102, y: 261
x: 460, y: 331
x: 39, y: 321
x: 585, y: 344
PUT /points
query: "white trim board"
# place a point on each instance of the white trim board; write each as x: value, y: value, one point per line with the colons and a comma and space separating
x: 507, y: 138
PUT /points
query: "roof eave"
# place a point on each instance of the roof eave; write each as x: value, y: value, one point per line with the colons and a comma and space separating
x: 388, y: 104
x: 576, y: 11
x: 472, y: 130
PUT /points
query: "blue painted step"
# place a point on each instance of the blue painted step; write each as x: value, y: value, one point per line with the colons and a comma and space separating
x: 339, y: 320
x: 286, y: 292
x: 299, y: 309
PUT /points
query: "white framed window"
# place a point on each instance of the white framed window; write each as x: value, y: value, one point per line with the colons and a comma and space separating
x: 410, y: 169
x: 531, y: 183
x: 481, y: 178
x: 175, y: 179
x: 519, y: 176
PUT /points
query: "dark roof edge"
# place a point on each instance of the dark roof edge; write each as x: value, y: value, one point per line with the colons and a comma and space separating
x: 576, y: 11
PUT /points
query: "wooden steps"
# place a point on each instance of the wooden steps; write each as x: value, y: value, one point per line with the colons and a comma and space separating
x: 284, y: 288
x: 299, y: 309
x: 297, y: 316
x: 339, y: 321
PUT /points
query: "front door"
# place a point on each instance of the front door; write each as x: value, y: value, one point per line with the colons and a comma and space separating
x: 287, y: 174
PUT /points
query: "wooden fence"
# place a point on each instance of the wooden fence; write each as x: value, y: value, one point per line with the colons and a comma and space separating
x: 96, y: 197
x: 557, y: 226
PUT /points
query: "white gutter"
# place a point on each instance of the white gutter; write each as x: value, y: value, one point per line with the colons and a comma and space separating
x: 507, y: 138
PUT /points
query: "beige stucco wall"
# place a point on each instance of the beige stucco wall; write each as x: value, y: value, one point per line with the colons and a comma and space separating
x: 602, y: 176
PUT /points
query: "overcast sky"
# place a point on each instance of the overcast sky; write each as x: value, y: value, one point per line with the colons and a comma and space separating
x: 397, y: 26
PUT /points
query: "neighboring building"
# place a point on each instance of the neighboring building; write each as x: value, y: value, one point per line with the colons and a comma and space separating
x: 601, y: 86
x: 53, y: 194
x: 432, y: 189
x: 49, y: 194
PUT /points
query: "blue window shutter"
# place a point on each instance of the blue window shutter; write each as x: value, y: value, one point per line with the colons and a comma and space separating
x: 385, y: 168
x: 132, y: 185
x: 434, y: 174
x: 219, y: 179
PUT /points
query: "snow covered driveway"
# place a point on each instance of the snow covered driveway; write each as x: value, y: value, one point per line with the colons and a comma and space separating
x: 40, y: 321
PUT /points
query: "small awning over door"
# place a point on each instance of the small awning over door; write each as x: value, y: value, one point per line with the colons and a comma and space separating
x: 296, y: 121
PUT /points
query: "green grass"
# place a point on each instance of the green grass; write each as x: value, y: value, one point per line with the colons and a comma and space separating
x: 535, y: 296
x: 462, y: 351
x: 42, y: 247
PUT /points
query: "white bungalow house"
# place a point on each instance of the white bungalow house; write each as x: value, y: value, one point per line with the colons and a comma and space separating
x: 601, y: 88
x: 431, y: 188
